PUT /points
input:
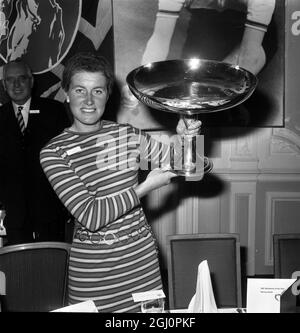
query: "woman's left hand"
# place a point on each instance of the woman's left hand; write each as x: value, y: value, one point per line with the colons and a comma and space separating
x: 189, y: 126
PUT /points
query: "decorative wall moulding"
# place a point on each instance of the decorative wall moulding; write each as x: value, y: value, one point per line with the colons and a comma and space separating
x: 284, y: 141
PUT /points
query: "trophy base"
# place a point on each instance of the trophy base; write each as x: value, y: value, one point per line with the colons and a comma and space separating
x: 194, y: 172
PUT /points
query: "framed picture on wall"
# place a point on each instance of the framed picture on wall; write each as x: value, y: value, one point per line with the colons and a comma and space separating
x: 157, y: 30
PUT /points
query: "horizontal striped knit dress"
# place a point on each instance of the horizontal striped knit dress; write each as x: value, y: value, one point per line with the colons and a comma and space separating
x: 113, y: 252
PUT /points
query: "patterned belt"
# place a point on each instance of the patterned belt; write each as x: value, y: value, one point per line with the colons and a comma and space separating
x: 110, y: 237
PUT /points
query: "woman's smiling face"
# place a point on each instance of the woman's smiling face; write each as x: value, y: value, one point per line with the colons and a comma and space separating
x: 87, y: 96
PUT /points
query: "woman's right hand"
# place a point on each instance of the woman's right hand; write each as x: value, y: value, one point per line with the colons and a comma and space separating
x: 155, y: 179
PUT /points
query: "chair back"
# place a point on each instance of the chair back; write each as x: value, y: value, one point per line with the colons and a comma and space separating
x: 222, y: 252
x: 36, y: 276
x: 286, y: 257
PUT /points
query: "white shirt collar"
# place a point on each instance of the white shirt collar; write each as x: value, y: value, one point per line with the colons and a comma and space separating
x: 26, y: 106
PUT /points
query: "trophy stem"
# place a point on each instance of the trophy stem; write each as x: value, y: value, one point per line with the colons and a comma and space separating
x: 189, y: 145
x: 194, y: 163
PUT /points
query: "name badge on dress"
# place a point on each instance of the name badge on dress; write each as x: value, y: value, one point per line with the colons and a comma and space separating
x: 73, y: 150
x: 34, y: 111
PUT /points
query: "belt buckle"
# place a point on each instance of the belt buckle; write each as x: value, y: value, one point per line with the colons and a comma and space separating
x: 82, y: 235
x: 92, y: 237
x: 110, y: 241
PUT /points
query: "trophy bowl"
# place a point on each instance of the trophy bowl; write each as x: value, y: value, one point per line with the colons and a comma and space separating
x: 189, y: 87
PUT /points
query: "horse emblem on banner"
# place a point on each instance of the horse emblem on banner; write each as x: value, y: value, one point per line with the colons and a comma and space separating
x: 39, y: 31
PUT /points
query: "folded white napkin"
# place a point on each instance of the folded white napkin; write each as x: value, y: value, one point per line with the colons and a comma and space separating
x: 2, y: 284
x: 204, y: 300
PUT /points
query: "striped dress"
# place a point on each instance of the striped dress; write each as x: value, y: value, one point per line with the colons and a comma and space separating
x: 113, y: 252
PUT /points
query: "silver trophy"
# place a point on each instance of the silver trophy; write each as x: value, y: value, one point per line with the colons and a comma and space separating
x: 191, y: 87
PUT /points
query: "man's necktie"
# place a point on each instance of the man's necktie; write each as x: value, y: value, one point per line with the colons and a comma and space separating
x: 21, y: 119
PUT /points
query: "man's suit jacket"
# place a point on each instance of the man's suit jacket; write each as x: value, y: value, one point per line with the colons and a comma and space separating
x: 25, y: 192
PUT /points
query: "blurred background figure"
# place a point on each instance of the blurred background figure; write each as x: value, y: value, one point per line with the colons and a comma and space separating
x: 249, y: 54
x: 27, y: 123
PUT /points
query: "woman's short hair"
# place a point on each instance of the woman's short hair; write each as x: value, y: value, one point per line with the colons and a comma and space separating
x: 87, y: 62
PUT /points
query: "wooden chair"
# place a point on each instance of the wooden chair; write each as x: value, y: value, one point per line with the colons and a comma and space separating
x: 222, y: 252
x: 35, y: 276
x: 286, y: 257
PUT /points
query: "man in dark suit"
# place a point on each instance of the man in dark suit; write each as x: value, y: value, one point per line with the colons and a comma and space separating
x: 33, y: 211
